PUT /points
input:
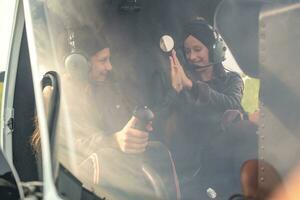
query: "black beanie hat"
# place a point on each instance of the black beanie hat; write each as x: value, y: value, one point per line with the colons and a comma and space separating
x: 89, y: 41
x: 200, y: 29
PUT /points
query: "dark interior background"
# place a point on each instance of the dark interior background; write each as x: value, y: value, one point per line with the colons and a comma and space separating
x: 134, y: 36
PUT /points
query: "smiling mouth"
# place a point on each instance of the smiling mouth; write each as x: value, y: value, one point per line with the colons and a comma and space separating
x: 200, y: 64
x: 99, y: 77
x: 103, y: 74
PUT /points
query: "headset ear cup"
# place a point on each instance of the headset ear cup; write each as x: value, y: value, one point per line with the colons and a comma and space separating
x: 218, y: 51
x: 77, y: 66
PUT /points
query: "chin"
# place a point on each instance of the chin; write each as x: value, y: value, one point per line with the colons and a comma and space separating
x: 98, y: 79
x: 101, y: 78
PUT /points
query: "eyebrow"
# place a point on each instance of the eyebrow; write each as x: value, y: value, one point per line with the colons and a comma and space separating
x: 197, y: 46
x: 103, y: 57
x: 193, y: 47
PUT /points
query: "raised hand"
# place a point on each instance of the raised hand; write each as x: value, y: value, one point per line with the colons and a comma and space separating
x: 178, y: 76
x: 175, y: 74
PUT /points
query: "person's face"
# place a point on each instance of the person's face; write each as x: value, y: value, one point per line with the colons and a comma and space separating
x: 196, y: 52
x: 100, y: 65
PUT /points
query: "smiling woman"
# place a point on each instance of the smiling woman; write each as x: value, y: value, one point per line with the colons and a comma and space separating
x: 206, y: 102
x: 100, y: 65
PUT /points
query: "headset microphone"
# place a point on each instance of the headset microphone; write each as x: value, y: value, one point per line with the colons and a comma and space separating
x: 194, y: 67
x: 202, y: 66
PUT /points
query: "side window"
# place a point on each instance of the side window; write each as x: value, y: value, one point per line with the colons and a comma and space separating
x: 2, y: 74
x: 7, y: 9
x: 250, y: 100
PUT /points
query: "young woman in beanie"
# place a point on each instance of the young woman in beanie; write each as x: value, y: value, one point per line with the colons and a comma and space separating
x: 102, y: 102
x: 204, y: 101
x: 112, y: 151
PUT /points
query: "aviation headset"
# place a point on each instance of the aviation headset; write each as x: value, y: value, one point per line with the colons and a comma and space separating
x: 83, y: 43
x: 209, y: 36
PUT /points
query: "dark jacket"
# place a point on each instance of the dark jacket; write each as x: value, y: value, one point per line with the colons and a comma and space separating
x: 198, y: 114
x: 204, y: 104
x: 112, y: 106
x: 205, y: 154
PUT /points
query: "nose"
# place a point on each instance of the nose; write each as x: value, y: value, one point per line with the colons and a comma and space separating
x: 192, y: 56
x: 108, y: 66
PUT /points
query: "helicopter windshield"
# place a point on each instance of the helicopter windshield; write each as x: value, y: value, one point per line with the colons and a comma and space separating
x: 134, y: 121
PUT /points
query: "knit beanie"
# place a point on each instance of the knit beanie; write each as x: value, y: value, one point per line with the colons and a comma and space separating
x: 89, y: 41
x: 200, y: 29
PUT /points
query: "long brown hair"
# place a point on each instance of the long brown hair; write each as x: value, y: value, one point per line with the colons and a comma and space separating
x: 35, y: 139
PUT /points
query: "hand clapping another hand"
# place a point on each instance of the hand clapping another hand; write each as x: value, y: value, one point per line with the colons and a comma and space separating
x: 131, y: 140
x: 178, y: 76
x: 175, y: 75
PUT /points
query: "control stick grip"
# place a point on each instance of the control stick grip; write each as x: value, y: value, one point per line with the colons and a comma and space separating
x: 144, y: 116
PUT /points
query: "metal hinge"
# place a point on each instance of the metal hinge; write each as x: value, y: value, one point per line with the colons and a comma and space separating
x: 9, y: 119
x: 33, y: 190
